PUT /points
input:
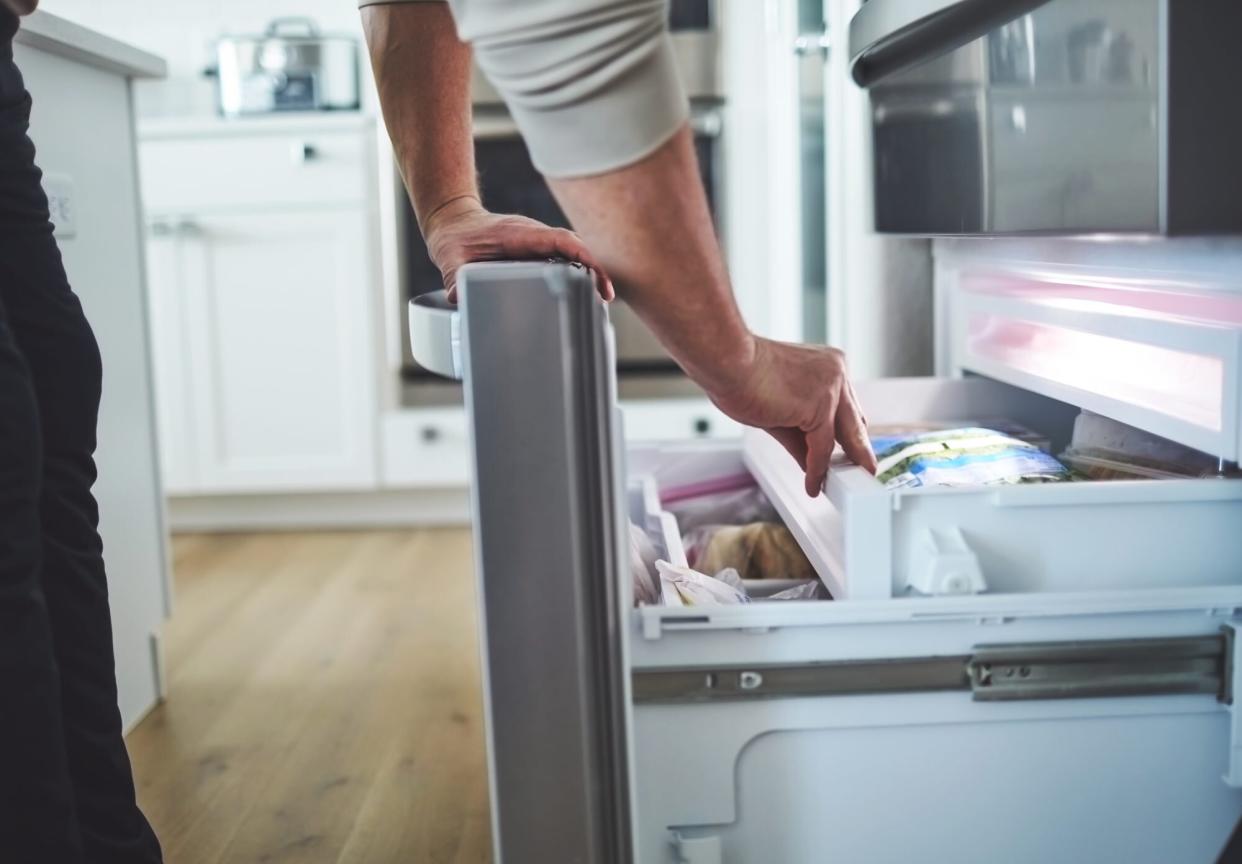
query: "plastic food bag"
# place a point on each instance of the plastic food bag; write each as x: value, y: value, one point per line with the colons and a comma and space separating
x: 760, y: 550
x: 811, y: 590
x: 735, y: 507
x: 963, y: 457
x: 643, y: 557
x: 698, y: 589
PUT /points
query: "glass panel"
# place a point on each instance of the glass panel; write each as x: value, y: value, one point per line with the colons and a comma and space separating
x: 812, y: 160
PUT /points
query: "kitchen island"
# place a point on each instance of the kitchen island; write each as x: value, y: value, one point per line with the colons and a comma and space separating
x: 82, y: 125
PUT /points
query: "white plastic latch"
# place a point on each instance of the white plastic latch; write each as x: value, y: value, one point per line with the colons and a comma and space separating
x: 1233, y: 685
x: 947, y: 565
x: 696, y: 850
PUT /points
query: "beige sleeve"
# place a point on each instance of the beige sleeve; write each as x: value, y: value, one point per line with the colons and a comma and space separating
x: 592, y: 84
x: 362, y: 3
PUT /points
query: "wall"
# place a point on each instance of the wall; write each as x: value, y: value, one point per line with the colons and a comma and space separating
x: 183, y: 32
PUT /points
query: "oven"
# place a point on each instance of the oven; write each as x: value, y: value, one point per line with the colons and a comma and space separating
x: 509, y: 183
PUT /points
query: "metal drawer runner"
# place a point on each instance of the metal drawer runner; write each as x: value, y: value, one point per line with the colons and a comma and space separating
x: 993, y: 673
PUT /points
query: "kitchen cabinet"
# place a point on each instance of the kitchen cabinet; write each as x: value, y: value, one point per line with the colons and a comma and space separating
x: 261, y: 315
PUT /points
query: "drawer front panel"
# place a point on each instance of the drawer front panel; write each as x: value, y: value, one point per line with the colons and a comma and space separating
x: 260, y: 171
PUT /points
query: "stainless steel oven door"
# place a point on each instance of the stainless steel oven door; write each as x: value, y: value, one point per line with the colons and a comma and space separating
x: 1052, y: 116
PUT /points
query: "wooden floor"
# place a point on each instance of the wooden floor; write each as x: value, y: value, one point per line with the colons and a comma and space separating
x: 323, y: 702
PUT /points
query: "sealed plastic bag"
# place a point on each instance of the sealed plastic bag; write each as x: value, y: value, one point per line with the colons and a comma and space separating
x: 760, y: 550
x: 811, y: 590
x: 643, y: 574
x: 698, y: 589
x: 962, y: 457
x: 731, y: 507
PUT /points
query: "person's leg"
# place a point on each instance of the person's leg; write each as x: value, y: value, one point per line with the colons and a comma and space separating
x: 37, y: 819
x: 60, y: 350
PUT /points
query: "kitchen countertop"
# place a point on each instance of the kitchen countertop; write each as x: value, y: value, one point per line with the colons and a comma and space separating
x: 55, y: 35
x: 202, y: 126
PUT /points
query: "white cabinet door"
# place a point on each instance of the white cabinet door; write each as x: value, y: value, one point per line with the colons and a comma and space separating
x: 281, y: 393
x: 166, y: 305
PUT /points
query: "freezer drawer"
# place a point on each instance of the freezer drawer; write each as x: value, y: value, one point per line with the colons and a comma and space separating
x: 938, y: 775
x: 1027, y: 724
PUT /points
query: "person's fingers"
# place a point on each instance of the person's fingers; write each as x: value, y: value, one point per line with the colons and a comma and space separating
x: 820, y: 442
x: 569, y: 245
x: 852, y: 433
x: 541, y: 241
x: 793, y: 441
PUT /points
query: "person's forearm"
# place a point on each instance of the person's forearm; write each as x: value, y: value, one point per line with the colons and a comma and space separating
x: 422, y: 72
x: 650, y: 227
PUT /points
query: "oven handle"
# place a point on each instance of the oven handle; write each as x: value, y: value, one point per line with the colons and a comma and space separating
x: 704, y: 123
x: 887, y: 36
x: 435, y: 334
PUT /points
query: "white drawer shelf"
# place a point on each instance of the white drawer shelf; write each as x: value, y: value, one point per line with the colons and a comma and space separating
x: 869, y: 542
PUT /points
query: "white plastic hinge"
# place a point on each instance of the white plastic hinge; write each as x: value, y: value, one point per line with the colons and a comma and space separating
x: 947, y: 565
x: 696, y: 850
x: 1233, y: 683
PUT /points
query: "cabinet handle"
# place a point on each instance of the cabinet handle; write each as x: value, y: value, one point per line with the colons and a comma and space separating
x: 305, y: 152
x: 182, y: 226
x: 702, y: 426
x: 429, y: 434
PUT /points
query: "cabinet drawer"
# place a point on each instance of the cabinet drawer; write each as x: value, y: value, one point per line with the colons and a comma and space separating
x: 426, y: 448
x: 259, y: 171
x: 870, y: 542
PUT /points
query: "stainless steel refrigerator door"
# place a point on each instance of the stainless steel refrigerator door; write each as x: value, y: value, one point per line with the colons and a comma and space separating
x: 537, y: 362
x: 1051, y: 116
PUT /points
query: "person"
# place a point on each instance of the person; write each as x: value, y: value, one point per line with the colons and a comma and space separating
x: 66, y: 790
x: 594, y: 89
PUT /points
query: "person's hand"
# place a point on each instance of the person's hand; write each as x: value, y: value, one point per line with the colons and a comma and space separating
x: 463, y: 232
x: 801, y: 396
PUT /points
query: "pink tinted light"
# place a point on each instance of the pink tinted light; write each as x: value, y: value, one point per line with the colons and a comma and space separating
x: 1130, y: 296
x: 1179, y: 384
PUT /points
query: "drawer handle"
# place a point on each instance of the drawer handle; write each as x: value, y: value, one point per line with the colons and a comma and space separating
x: 305, y: 152
x: 702, y: 426
x: 429, y: 434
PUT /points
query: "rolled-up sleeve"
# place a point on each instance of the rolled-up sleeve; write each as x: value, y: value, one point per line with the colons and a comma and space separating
x: 592, y: 84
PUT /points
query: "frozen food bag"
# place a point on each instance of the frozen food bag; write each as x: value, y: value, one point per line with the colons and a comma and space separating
x: 973, y: 456
x: 643, y: 555
x: 760, y: 550
x: 698, y: 589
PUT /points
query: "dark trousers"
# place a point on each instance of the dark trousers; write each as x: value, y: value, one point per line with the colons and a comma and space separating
x: 66, y: 790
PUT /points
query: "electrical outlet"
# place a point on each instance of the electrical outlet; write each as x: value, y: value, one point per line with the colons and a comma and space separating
x: 61, y: 203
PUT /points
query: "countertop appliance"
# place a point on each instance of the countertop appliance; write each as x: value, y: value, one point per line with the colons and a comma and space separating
x: 291, y: 66
x: 1052, y: 116
x: 510, y: 183
x: 1072, y: 700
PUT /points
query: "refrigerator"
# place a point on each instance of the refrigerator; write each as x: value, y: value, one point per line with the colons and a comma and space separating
x: 1024, y: 673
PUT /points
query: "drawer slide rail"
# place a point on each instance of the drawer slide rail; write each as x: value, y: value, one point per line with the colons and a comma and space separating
x: 993, y: 673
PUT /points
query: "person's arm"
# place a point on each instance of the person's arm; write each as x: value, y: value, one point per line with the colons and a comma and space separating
x: 650, y: 225
x: 422, y: 72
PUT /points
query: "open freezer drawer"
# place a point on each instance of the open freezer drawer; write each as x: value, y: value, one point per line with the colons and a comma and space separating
x: 802, y: 731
